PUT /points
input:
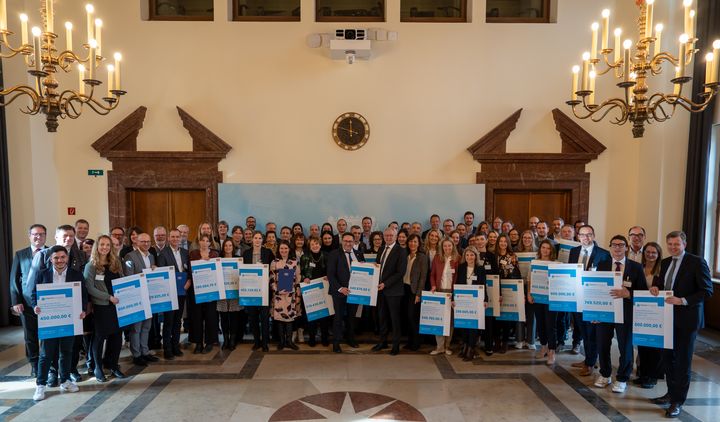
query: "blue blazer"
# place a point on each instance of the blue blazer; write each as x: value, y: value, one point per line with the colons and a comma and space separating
x: 46, y: 277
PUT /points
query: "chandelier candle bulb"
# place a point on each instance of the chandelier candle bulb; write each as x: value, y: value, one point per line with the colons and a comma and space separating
x: 586, y: 69
x: 49, y: 14
x: 691, y: 28
x: 618, y: 35
x: 93, y: 59
x: 90, y: 10
x: 36, y: 47
x: 716, y: 55
x: 118, y: 59
x: 681, y: 55
x: 708, y: 70
x: 592, y: 87
x: 658, y: 38
x: 68, y: 36
x: 111, y: 77
x: 81, y: 76
x: 98, y: 35
x: 575, y: 71
x: 626, y: 60
x: 23, y: 28
x: 676, y: 87
x: 593, y: 47
x: 3, y: 15
x: 686, y: 5
x: 605, y: 26
x: 649, y: 17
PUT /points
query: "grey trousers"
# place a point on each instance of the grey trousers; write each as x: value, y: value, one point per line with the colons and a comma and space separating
x: 139, y: 333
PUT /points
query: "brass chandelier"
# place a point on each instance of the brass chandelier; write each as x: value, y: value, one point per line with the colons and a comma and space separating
x: 633, y: 69
x: 43, y: 60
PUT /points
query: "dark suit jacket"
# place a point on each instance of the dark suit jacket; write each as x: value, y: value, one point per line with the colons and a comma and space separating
x: 599, y: 258
x: 76, y: 260
x: 338, y: 271
x: 166, y: 259
x: 694, y: 284
x: 393, y: 270
x: 419, y: 273
x: 19, y: 277
x: 634, y: 274
x: 461, y: 276
x: 266, y: 256
x: 46, y: 277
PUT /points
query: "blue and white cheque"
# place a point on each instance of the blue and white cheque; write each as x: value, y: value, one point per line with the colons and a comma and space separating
x: 652, y: 319
x: 492, y: 284
x: 134, y: 299
x: 435, y: 313
x: 231, y: 276
x: 318, y: 302
x: 565, y: 287
x: 162, y: 287
x: 370, y: 258
x: 469, y: 310
x: 525, y: 259
x: 564, y: 247
x: 512, y: 307
x: 60, y: 308
x: 363, y: 285
x: 598, y: 305
x: 539, y: 281
x: 253, y: 284
x: 207, y: 280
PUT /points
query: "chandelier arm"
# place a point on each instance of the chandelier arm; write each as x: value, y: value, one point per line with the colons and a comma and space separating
x: 657, y: 111
x: 608, y: 105
x: 25, y: 48
x: 67, y: 57
x: 656, y: 62
x: 99, y: 108
x: 19, y: 90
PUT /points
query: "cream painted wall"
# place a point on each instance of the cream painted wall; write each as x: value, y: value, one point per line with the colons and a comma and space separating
x: 427, y: 96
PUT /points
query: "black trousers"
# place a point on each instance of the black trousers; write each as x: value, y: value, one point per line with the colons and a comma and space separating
x: 229, y: 322
x: 488, y: 332
x: 155, y: 335
x: 547, y: 325
x: 171, y: 326
x: 259, y: 317
x: 30, y: 330
x: 605, y: 333
x: 390, y: 315
x: 58, y: 350
x: 111, y: 344
x: 82, y: 342
x: 678, y: 364
x: 577, y: 324
x: 413, y: 317
x: 203, y: 323
x: 589, y: 339
x: 650, y: 363
x: 324, y: 325
x: 344, y: 312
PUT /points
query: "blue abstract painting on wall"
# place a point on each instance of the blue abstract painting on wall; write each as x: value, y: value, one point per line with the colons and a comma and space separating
x: 286, y: 204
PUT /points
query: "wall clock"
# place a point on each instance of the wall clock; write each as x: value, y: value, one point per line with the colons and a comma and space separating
x: 351, y: 131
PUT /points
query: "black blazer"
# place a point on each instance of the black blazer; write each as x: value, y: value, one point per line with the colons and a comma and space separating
x: 461, y: 276
x: 694, y: 284
x: 266, y: 256
x: 634, y: 274
x: 46, y: 277
x: 488, y: 258
x: 599, y: 258
x: 419, y: 273
x: 166, y: 258
x: 19, y: 277
x: 41, y: 261
x: 338, y: 271
x: 393, y: 270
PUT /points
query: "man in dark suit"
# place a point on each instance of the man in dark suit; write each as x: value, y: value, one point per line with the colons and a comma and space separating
x: 175, y: 256
x: 434, y: 225
x: 20, y: 295
x: 338, y: 273
x: 160, y: 238
x: 688, y: 276
x: 393, y: 264
x: 593, y: 258
x: 633, y: 278
x: 56, y: 349
x: 134, y: 263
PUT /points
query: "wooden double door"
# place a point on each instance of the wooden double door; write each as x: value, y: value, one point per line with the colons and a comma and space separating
x: 520, y: 205
x: 170, y: 208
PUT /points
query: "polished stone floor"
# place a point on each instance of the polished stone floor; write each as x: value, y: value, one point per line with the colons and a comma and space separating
x: 315, y: 384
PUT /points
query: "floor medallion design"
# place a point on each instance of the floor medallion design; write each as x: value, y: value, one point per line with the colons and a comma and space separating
x: 347, y: 406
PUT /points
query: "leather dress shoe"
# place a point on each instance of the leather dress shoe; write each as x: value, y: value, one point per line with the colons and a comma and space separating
x: 168, y: 355
x: 336, y: 348
x: 673, y: 411
x: 117, y: 373
x: 265, y: 348
x: 139, y: 361
x: 256, y: 346
x: 395, y: 350
x: 587, y: 371
x: 150, y: 358
x: 662, y: 400
x: 580, y: 364
x: 177, y: 352
x: 353, y: 344
x: 208, y: 348
x: 198, y: 349
x: 378, y: 347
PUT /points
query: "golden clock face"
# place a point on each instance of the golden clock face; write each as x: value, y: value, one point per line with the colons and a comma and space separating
x: 350, y: 131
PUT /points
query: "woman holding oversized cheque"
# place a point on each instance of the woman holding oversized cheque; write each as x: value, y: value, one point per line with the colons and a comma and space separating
x: 471, y: 272
x: 442, y: 277
x: 259, y: 316
x: 203, y: 316
x: 546, y: 319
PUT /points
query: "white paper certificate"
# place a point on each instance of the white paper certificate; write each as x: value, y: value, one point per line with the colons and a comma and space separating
x: 435, y: 313
x: 469, y: 310
x: 162, y: 288
x: 492, y: 284
x: 512, y: 307
x: 207, y: 280
x: 564, y: 247
x: 317, y: 301
x: 524, y: 261
x: 254, y: 284
x: 60, y: 308
x: 231, y: 276
x: 565, y: 288
x: 134, y: 299
x: 539, y: 281
x: 363, y: 285
x: 652, y: 320
x: 598, y: 305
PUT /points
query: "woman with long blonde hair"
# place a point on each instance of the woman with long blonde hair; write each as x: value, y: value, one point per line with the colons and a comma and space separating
x: 442, y: 279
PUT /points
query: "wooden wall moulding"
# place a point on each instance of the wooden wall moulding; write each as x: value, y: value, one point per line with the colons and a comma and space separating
x: 138, y: 170
x: 538, y: 171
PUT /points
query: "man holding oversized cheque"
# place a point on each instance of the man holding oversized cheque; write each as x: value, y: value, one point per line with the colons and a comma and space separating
x: 56, y: 343
x: 633, y: 278
x: 339, y: 262
x: 688, y: 276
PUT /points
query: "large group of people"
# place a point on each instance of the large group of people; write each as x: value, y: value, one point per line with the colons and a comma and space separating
x: 411, y: 259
